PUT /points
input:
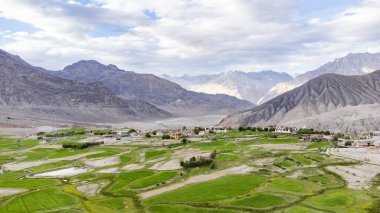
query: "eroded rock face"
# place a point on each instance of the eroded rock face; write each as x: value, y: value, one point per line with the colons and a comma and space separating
x: 321, y: 95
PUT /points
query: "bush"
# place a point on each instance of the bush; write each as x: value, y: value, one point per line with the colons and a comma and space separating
x: 213, y: 165
x: 348, y: 143
x: 147, y: 135
x: 196, y: 162
x: 197, y: 130
x: 165, y: 137
x: 80, y: 145
x: 213, y: 154
x: 131, y: 131
x: 184, y: 141
x: 103, y: 132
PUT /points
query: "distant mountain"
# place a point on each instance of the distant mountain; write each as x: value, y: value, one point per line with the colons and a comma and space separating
x: 28, y: 90
x: 157, y: 91
x: 187, y: 80
x: 352, y: 64
x: 249, y: 86
x: 328, y: 96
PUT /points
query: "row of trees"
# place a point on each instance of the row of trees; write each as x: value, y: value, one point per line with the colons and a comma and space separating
x: 259, y: 129
x: 200, y: 161
x: 80, y: 145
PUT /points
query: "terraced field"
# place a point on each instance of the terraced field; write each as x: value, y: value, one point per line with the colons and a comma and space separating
x: 251, y: 172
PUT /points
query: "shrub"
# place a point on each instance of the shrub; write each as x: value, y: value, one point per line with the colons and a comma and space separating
x: 348, y: 143
x: 103, y: 132
x: 165, y: 137
x: 147, y: 135
x: 213, y: 165
x: 196, y: 162
x: 213, y: 154
x: 80, y: 145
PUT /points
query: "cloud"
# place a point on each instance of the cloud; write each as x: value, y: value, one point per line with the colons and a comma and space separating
x: 187, y: 36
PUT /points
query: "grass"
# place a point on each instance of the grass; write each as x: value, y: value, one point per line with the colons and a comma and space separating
x: 10, y: 144
x: 222, y: 188
x: 301, y: 159
x: 259, y: 200
x: 376, y: 180
x: 315, y: 157
x: 49, y: 166
x: 122, y: 181
x: 125, y: 159
x: 292, y: 186
x: 226, y: 157
x: 154, y: 154
x: 103, y: 154
x: 334, y: 200
x: 112, y: 203
x: 29, y: 183
x: 153, y: 179
x: 40, y: 154
x: 316, y: 145
x: 184, y: 209
x: 278, y: 140
x: 260, y: 153
x: 42, y: 200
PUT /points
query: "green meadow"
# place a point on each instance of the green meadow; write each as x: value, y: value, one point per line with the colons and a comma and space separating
x: 278, y: 180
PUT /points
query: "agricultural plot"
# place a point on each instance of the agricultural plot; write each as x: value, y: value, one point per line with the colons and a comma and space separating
x: 248, y: 171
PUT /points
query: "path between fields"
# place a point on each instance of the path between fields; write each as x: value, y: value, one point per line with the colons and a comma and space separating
x: 243, y: 169
x: 23, y: 165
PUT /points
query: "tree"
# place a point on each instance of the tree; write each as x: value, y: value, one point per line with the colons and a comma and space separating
x: 184, y: 140
x: 131, y: 131
x: 147, y: 135
x: 154, y: 132
x: 213, y: 154
x: 348, y: 143
x: 165, y: 137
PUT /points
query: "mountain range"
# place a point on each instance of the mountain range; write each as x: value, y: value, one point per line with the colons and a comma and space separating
x: 329, y: 101
x: 250, y: 86
x: 28, y: 90
x: 352, y: 64
x: 88, y: 91
x: 150, y: 88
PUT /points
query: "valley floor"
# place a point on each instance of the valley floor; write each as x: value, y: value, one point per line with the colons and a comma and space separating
x: 251, y: 172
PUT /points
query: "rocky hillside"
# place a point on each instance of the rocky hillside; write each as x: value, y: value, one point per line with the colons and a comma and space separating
x: 29, y: 90
x: 352, y: 64
x: 160, y: 92
x: 320, y: 95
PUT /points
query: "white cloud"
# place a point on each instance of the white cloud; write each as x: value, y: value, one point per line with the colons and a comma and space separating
x: 197, y: 36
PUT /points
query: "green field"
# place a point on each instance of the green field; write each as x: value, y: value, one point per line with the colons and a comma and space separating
x: 221, y: 188
x: 279, y: 180
x: 41, y: 200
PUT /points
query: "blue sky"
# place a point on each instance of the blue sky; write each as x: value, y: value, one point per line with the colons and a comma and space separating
x: 189, y: 37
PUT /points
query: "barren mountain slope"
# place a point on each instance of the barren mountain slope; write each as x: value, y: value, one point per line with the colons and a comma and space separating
x: 320, y: 95
x: 352, y: 64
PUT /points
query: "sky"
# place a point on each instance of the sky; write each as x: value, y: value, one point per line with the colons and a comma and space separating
x: 191, y: 37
